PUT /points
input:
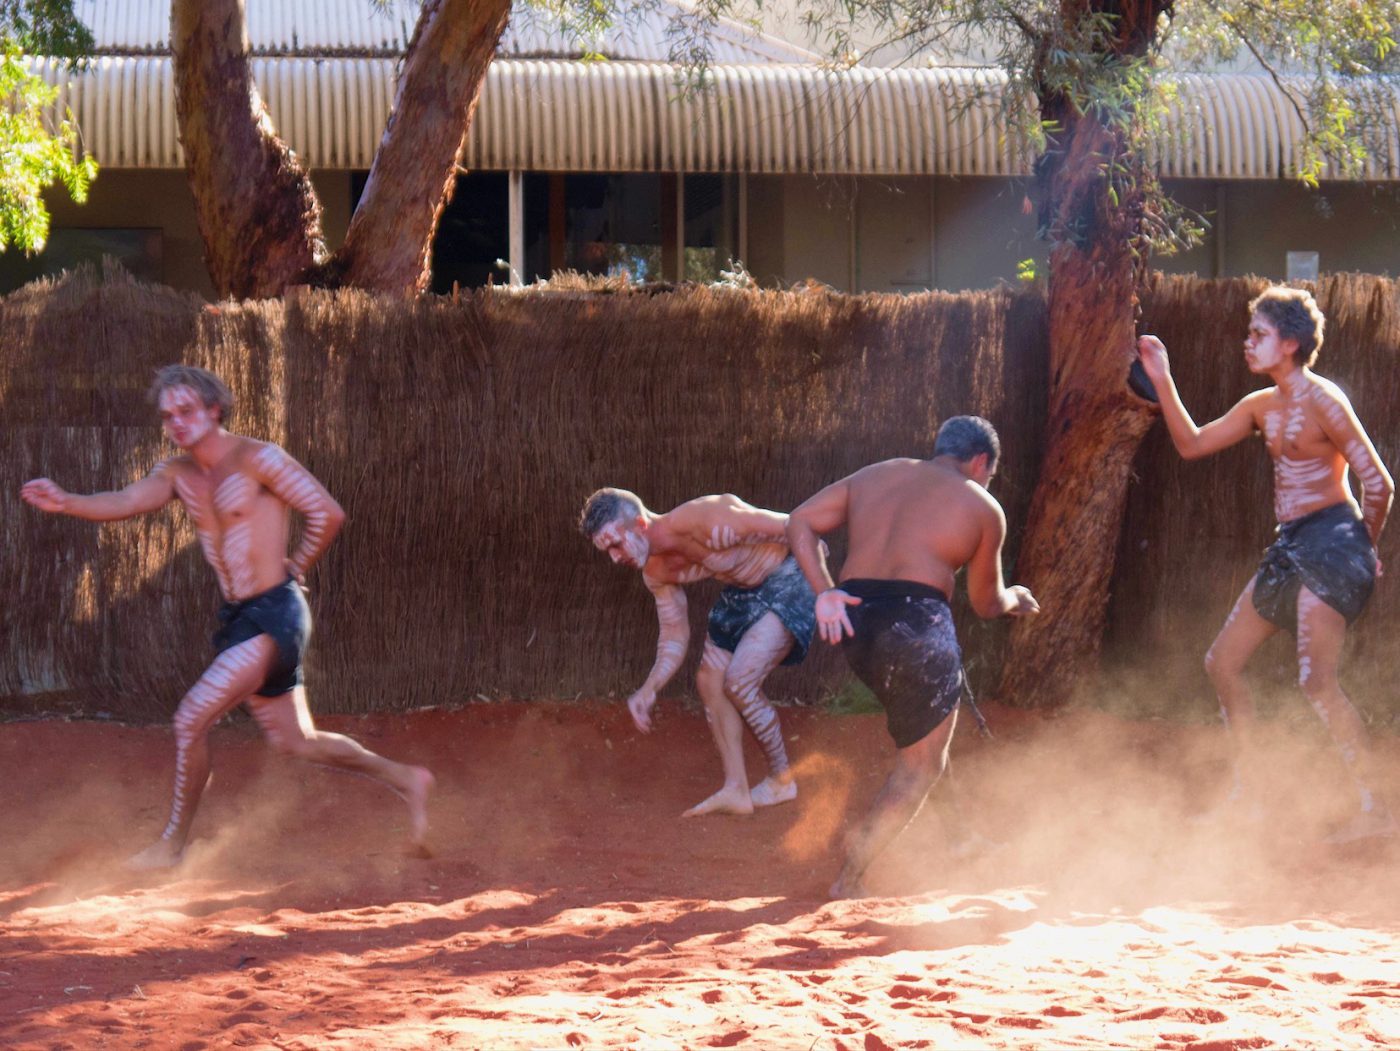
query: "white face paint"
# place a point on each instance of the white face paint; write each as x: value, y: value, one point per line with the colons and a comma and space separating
x: 185, y: 418
x: 624, y: 543
x: 1263, y: 349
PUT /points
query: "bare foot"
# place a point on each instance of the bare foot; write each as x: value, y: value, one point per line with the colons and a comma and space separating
x: 1367, y: 825
x: 162, y: 854
x: 728, y: 800
x: 770, y: 792
x: 420, y: 786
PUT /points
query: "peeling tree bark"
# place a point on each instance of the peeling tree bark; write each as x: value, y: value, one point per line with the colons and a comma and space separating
x: 257, y: 211
x: 388, y: 246
x: 1095, y: 423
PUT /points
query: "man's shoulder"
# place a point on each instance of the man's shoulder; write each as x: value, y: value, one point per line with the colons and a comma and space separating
x: 261, y: 453
x: 696, y: 517
x: 1326, y: 390
x: 886, y: 470
x: 174, y: 464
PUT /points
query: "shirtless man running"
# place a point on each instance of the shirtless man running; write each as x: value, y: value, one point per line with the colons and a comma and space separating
x: 1319, y: 573
x: 236, y: 492
x: 763, y: 618
x: 911, y: 525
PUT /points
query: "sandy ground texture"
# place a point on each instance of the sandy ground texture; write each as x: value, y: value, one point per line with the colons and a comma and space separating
x: 568, y: 906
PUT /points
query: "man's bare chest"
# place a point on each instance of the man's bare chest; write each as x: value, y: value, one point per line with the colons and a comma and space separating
x: 222, y: 501
x: 1291, y: 428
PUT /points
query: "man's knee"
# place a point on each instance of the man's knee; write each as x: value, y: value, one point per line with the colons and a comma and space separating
x: 709, y: 678
x: 1318, y: 683
x: 741, y: 685
x: 1220, y: 667
x: 921, y: 764
x: 292, y: 745
x: 192, y: 718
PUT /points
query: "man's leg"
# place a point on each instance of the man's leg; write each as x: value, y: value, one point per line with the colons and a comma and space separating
x: 1321, y: 634
x: 762, y: 649
x: 235, y: 673
x: 916, y: 770
x: 287, y: 723
x: 728, y: 731
x: 1243, y: 633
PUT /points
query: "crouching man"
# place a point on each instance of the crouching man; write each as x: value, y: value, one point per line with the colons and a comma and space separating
x: 764, y: 617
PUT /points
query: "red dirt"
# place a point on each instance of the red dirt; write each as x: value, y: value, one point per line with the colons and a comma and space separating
x: 567, y: 906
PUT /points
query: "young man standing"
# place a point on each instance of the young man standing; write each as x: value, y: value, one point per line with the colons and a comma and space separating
x: 911, y: 525
x: 763, y: 617
x: 237, y: 492
x: 1317, y: 576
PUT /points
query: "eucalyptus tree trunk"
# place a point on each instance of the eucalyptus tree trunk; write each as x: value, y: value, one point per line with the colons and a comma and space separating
x: 1095, y: 423
x: 258, y: 213
x: 388, y: 245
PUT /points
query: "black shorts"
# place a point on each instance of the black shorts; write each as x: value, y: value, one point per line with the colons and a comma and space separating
x: 906, y: 651
x: 1329, y: 552
x: 281, y: 613
x: 785, y: 592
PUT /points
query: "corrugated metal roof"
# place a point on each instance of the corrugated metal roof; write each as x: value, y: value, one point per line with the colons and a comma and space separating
x: 628, y: 116
x: 322, y: 28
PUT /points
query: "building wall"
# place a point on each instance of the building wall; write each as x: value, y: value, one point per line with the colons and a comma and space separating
x: 873, y: 234
x: 161, y: 199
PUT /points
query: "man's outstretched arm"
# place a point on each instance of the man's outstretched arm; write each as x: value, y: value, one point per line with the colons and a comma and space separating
x: 298, y: 488
x: 154, y: 491
x: 1191, y: 442
x: 671, y: 645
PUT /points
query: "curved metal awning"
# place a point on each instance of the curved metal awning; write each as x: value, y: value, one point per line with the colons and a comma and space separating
x: 562, y: 115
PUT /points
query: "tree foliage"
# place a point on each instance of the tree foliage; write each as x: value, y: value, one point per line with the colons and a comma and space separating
x: 1112, y: 60
x: 37, y: 152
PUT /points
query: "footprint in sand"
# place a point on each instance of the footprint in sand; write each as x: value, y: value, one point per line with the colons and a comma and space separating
x: 1197, y: 1015
x: 738, y: 1036
x: 919, y: 992
x: 1259, y: 981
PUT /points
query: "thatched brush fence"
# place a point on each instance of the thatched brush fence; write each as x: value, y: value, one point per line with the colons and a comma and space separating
x: 462, y: 435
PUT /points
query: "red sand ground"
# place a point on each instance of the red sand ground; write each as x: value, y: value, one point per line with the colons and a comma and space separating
x: 568, y: 907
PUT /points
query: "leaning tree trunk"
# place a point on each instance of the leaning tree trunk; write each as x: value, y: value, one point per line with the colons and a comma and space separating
x: 388, y: 246
x: 257, y: 211
x: 1095, y: 424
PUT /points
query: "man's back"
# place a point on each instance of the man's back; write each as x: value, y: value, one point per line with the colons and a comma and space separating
x: 916, y: 520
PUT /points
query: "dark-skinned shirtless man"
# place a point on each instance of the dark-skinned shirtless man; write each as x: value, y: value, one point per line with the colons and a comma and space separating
x: 911, y: 525
x: 1317, y: 576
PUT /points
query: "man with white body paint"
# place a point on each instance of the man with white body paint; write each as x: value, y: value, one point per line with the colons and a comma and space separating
x: 910, y: 525
x: 1316, y: 578
x: 237, y: 492
x: 764, y: 617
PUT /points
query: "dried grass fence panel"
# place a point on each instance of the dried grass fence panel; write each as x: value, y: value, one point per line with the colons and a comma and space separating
x: 463, y: 459
x: 462, y: 436
x: 1194, y: 531
x: 113, y: 615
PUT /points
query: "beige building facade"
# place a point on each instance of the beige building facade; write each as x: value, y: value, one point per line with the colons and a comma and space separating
x: 869, y: 181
